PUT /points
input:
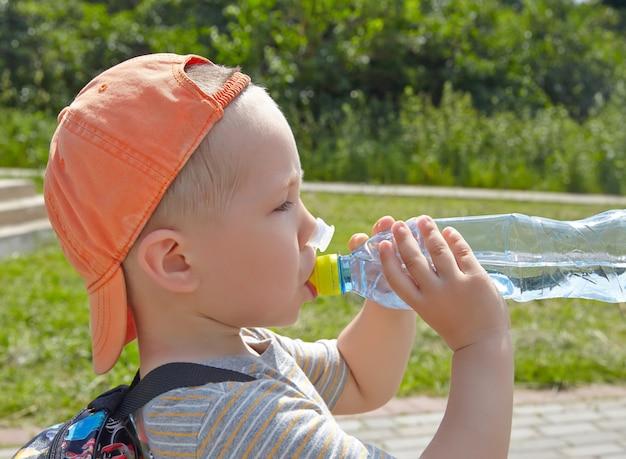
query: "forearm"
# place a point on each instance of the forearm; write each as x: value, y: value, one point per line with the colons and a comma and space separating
x: 477, y: 422
x: 376, y: 346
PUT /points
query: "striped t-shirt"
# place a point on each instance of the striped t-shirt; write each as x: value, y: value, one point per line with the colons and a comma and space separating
x: 284, y: 413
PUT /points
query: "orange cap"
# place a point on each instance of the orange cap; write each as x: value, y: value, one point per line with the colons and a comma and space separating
x: 116, y: 150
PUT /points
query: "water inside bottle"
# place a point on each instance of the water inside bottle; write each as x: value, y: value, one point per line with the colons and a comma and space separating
x: 539, y: 279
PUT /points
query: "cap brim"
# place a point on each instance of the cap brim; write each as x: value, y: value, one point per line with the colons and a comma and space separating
x: 112, y: 326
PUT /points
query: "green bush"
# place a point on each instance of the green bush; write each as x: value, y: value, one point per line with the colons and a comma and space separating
x: 496, y: 93
x: 25, y: 138
x: 455, y: 144
x: 450, y: 144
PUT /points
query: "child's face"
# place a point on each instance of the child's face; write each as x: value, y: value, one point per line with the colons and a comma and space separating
x: 254, y: 260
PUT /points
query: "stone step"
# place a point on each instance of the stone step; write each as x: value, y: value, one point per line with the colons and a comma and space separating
x: 24, y: 224
x: 16, y: 188
x: 25, y: 237
x: 23, y: 209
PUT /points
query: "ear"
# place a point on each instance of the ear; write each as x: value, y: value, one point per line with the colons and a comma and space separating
x: 161, y: 256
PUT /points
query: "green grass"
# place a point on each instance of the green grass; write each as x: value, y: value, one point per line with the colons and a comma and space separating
x: 45, y: 365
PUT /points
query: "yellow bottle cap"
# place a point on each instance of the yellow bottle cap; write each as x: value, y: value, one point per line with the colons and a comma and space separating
x: 325, y: 275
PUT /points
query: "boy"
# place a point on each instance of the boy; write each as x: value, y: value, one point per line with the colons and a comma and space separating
x: 173, y: 185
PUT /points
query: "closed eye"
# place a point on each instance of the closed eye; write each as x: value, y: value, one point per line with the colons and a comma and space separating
x: 285, y: 206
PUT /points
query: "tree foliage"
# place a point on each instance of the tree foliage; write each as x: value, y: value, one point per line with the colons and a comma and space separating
x: 350, y: 74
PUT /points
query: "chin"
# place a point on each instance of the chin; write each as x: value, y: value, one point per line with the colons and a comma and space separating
x: 288, y: 319
x: 287, y: 322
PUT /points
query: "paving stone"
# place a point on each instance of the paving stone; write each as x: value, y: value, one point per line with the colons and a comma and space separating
x: 597, y: 438
x: 562, y: 429
x: 550, y: 454
x: 595, y: 450
x: 537, y: 443
x: 567, y: 429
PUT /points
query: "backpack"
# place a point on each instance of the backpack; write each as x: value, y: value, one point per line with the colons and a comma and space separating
x: 104, y: 429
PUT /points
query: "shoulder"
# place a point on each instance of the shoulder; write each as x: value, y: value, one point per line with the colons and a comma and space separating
x: 262, y: 335
x: 206, y: 416
x: 294, y: 346
x: 320, y: 362
x: 263, y: 418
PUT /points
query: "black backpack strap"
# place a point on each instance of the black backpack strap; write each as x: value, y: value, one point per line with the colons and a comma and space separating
x: 109, y: 400
x: 172, y: 376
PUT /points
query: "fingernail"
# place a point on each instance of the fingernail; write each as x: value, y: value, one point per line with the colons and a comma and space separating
x: 450, y: 231
x: 401, y: 227
x: 424, y: 221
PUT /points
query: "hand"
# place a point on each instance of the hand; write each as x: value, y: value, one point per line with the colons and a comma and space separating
x: 456, y: 298
x: 358, y: 239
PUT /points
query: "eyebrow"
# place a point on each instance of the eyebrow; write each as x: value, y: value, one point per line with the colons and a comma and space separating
x: 296, y: 178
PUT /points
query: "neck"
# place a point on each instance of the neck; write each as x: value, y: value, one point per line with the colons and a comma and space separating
x: 158, y: 347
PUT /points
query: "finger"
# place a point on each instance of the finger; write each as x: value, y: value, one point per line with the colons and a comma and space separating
x: 412, y: 270
x: 357, y: 240
x: 399, y: 280
x: 383, y: 224
x: 442, y: 257
x: 462, y: 252
x: 410, y: 252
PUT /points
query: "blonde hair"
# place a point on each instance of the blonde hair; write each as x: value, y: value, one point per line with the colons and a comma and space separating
x: 212, y: 175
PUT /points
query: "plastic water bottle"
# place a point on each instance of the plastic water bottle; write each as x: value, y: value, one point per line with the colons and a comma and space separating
x: 528, y: 258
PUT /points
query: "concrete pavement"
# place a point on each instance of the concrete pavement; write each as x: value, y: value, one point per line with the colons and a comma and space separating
x: 587, y: 423
x: 465, y: 193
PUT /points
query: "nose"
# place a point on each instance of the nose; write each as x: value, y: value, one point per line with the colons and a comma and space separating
x: 307, y: 225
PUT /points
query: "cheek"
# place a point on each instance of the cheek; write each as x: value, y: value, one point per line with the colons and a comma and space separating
x: 244, y: 270
x: 275, y: 273
x: 272, y: 281
x: 269, y: 257
x: 255, y: 274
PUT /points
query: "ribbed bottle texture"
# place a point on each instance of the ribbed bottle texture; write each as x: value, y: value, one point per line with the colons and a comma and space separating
x: 528, y: 258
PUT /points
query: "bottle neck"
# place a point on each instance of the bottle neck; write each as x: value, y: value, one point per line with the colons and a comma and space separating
x: 345, y: 278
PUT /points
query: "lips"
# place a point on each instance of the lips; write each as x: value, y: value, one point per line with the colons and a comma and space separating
x: 312, y: 289
x: 308, y: 283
